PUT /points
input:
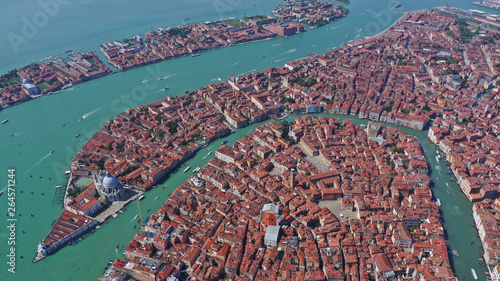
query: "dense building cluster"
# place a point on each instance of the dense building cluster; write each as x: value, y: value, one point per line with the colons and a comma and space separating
x: 169, y: 43
x: 142, y: 145
x: 261, y: 211
x: 49, y: 76
x: 407, y: 77
x: 487, y: 220
x: 421, y: 70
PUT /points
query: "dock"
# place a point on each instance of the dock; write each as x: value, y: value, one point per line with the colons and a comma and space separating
x: 59, y: 194
x: 487, y: 4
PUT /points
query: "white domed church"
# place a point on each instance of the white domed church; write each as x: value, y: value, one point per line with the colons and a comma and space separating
x: 29, y: 88
x: 108, y: 186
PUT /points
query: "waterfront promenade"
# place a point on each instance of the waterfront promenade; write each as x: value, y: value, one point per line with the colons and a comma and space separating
x: 114, y: 207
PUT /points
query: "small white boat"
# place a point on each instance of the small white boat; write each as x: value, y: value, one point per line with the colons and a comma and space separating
x: 157, y: 197
x: 438, y: 202
x: 141, y: 197
x: 187, y: 169
x: 473, y: 273
x: 210, y: 153
x: 136, y: 216
x: 447, y: 184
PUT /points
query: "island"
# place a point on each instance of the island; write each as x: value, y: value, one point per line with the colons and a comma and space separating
x: 316, y: 198
x: 311, y: 13
x: 173, y: 42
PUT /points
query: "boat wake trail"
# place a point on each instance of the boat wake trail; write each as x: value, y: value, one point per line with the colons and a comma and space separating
x: 455, y: 210
x: 234, y: 64
x: 90, y: 113
x: 39, y: 161
x: 16, y: 134
x: 133, y: 219
x: 335, y: 27
x: 170, y: 75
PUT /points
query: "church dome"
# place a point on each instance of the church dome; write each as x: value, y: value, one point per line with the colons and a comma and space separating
x: 109, y: 180
x: 26, y: 81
